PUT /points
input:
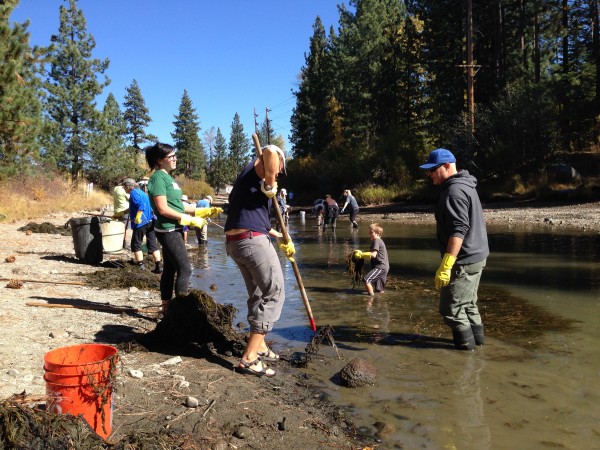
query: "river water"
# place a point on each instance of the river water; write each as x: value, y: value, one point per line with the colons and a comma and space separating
x: 534, y: 384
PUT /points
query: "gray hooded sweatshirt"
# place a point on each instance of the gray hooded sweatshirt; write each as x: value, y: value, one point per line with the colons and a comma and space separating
x: 459, y: 214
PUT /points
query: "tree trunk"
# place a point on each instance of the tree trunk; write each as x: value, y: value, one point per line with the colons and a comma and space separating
x: 536, y: 43
x: 596, y: 52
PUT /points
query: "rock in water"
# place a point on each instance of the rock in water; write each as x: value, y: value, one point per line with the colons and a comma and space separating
x: 357, y: 373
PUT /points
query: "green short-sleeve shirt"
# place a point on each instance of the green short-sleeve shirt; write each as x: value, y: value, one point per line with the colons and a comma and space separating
x: 162, y: 183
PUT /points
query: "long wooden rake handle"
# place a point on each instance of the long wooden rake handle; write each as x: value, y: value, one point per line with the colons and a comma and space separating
x: 286, y: 239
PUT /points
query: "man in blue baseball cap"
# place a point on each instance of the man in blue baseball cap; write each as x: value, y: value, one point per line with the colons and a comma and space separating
x: 462, y: 239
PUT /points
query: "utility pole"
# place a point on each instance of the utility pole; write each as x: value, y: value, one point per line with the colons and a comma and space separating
x: 471, y: 72
x: 268, y: 125
x: 255, y: 122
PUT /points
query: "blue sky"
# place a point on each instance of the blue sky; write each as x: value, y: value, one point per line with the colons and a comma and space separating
x: 230, y: 55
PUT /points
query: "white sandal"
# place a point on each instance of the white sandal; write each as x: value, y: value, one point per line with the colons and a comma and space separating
x: 255, y: 367
x: 268, y: 355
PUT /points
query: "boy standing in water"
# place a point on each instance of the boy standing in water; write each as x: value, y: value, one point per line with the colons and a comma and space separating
x: 380, y: 265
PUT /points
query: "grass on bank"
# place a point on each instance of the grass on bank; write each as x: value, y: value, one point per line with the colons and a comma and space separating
x: 33, y: 197
x: 539, y: 188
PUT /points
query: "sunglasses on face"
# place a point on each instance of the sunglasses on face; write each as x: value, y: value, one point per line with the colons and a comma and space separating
x: 433, y: 169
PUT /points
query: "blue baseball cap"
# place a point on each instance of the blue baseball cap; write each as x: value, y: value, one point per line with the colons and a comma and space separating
x: 437, y: 157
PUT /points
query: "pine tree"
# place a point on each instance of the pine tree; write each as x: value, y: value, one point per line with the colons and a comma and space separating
x: 20, y: 109
x: 219, y: 173
x: 112, y: 160
x: 309, y: 133
x: 137, y: 116
x: 239, y: 146
x: 190, y: 153
x: 443, y: 35
x: 72, y: 87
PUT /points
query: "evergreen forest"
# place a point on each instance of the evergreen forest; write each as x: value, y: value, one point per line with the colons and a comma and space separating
x: 512, y: 87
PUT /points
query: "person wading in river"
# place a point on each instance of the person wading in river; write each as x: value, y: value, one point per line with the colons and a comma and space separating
x: 463, y: 243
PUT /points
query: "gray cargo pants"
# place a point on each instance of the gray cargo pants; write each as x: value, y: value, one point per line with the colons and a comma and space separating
x: 458, y: 300
x: 257, y: 260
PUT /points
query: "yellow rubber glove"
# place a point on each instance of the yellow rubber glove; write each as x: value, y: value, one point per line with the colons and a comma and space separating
x: 208, y: 212
x: 138, y: 217
x: 442, y: 276
x: 269, y: 193
x: 197, y: 222
x: 288, y: 249
x: 358, y: 254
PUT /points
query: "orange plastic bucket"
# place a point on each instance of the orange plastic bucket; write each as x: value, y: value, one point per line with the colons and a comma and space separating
x: 89, y: 378
x: 79, y: 359
x: 79, y: 381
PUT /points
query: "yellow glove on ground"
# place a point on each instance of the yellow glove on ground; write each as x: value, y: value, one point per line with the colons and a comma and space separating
x: 269, y: 193
x: 197, y: 222
x: 358, y: 254
x: 208, y: 212
x: 138, y: 217
x: 442, y: 276
x: 288, y: 249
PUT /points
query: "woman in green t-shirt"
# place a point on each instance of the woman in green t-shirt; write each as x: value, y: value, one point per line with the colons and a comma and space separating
x: 171, y: 216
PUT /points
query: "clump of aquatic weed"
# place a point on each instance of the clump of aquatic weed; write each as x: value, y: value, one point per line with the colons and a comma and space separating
x: 127, y: 275
x: 354, y: 269
x: 506, y: 317
x: 23, y: 427
x: 197, y: 318
x: 46, y: 227
x: 515, y: 320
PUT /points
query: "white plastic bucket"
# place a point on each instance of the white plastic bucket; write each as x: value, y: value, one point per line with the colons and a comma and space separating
x: 113, y: 235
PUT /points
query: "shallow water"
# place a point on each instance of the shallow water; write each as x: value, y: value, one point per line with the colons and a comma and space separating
x: 533, y: 384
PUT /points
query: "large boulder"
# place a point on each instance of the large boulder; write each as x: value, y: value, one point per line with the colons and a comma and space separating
x: 357, y: 373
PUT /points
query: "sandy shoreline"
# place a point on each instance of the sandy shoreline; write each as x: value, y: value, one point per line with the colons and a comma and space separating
x: 234, y: 410
x: 581, y: 217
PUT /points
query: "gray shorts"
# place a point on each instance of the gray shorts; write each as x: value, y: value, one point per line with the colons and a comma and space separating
x: 258, y: 261
x: 376, y: 278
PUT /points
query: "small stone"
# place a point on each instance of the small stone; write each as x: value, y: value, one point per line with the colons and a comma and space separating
x: 357, y: 373
x: 59, y: 334
x: 220, y: 444
x: 179, y: 377
x: 28, y: 378
x: 171, y: 362
x: 242, y: 432
x: 159, y: 370
x: 184, y: 384
x: 13, y: 373
x: 384, y: 428
x: 191, y: 402
x: 133, y: 373
x: 133, y: 290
